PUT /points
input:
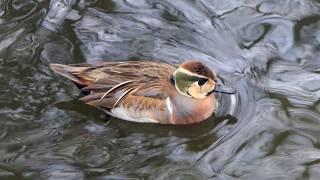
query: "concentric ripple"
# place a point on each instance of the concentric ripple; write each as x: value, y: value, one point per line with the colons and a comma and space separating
x: 267, y: 50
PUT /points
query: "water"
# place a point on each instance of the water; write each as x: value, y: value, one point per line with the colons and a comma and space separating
x: 267, y: 50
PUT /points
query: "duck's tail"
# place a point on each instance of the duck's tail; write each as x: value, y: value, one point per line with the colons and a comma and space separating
x: 75, y: 73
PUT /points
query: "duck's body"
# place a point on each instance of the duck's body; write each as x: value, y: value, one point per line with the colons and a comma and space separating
x: 172, y: 109
x: 144, y: 91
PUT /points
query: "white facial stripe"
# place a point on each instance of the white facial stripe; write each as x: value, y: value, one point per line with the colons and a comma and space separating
x: 189, y: 73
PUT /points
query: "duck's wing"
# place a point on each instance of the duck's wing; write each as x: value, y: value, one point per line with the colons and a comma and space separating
x: 107, y: 83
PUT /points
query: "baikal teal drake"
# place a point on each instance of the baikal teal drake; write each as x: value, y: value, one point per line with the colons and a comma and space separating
x: 146, y: 91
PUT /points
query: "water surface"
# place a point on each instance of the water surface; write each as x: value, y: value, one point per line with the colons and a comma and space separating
x: 267, y: 50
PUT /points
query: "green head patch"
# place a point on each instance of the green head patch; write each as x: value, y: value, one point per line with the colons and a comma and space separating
x: 183, y: 80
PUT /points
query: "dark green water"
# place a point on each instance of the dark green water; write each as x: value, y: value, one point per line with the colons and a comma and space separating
x: 268, y: 50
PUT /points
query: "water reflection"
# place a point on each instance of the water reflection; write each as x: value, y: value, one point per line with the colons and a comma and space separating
x: 267, y: 50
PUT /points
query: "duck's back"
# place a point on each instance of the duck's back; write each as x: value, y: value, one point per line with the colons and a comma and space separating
x: 116, y: 86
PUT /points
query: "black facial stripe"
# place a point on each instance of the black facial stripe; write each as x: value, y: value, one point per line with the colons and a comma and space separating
x: 202, y: 81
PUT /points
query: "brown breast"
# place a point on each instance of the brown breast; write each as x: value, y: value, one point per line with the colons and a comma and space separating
x: 188, y: 110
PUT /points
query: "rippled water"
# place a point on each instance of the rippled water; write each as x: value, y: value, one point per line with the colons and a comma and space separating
x: 268, y: 50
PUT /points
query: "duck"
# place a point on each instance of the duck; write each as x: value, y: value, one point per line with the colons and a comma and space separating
x: 148, y: 91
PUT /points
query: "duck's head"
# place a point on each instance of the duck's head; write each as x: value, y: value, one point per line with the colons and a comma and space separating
x: 195, y: 79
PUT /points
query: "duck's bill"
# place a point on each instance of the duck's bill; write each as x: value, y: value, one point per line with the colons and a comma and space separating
x: 224, y: 89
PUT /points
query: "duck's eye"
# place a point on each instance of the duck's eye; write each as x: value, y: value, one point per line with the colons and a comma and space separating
x: 202, y: 81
